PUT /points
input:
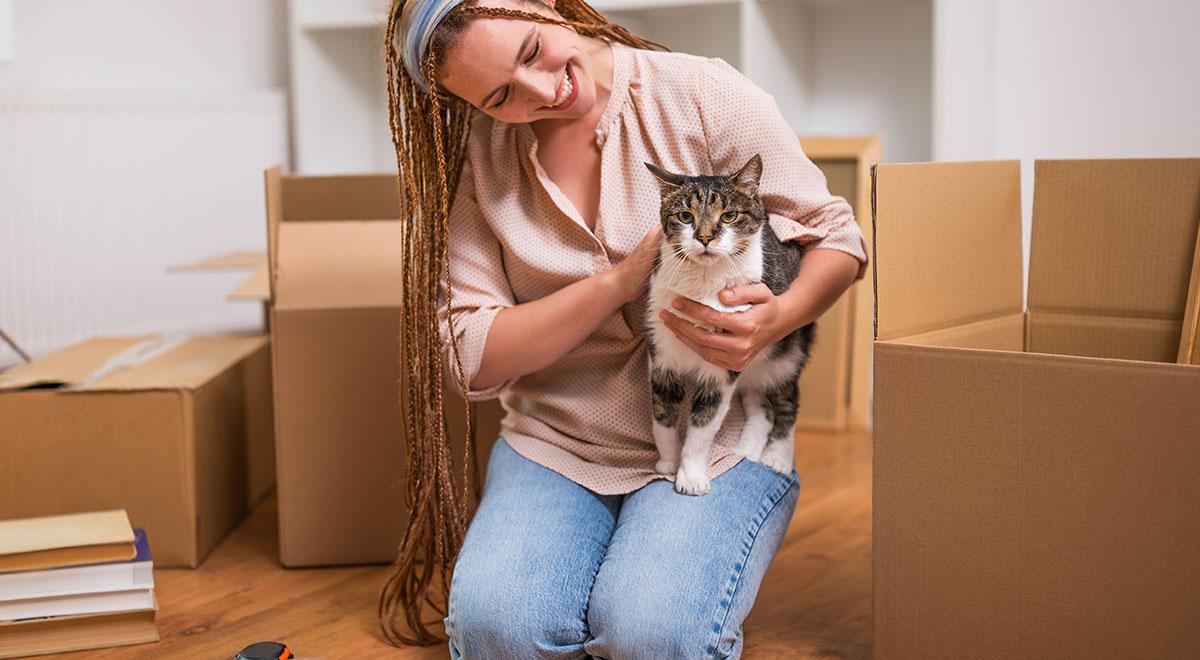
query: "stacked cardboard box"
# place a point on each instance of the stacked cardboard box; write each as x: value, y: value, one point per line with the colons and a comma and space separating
x: 335, y: 277
x: 1035, y: 490
x: 172, y: 429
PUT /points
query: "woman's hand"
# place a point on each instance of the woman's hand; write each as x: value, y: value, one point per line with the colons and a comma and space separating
x: 633, y: 274
x: 740, y: 335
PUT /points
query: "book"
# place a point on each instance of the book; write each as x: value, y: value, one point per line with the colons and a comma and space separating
x: 72, y: 604
x: 65, y: 540
x: 130, y: 575
x: 75, y: 633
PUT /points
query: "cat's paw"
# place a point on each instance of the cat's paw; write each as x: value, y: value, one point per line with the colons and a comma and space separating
x: 778, y: 457
x: 666, y: 467
x: 691, y: 483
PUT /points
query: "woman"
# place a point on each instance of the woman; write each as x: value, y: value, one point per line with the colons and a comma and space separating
x: 521, y: 130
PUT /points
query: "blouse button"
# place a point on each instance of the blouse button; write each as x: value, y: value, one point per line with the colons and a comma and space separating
x: 599, y: 138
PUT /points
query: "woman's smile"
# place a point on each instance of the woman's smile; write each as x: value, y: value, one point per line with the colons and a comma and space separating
x: 568, y: 90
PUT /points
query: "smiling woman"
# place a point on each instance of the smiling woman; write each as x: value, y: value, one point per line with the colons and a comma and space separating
x: 521, y: 130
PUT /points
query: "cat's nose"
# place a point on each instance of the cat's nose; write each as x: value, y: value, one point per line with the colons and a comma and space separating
x: 704, y: 240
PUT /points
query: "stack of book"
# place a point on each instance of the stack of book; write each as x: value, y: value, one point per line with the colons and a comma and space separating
x: 73, y: 582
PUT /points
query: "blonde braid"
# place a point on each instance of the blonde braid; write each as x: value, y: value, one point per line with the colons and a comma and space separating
x: 429, y: 132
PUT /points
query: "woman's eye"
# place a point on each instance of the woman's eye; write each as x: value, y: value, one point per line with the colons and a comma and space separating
x: 536, y: 49
x: 729, y: 216
x: 501, y: 102
x: 685, y: 217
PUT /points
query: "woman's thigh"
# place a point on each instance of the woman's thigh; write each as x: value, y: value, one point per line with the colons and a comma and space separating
x: 522, y: 578
x: 681, y: 572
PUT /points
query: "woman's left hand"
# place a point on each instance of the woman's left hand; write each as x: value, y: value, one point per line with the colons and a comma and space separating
x: 740, y: 335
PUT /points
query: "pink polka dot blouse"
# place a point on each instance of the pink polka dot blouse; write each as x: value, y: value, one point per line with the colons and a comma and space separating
x: 515, y: 237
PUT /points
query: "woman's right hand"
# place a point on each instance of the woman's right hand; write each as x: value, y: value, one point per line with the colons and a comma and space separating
x: 633, y: 274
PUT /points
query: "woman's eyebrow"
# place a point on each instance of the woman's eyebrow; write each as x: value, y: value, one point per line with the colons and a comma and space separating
x: 520, y: 56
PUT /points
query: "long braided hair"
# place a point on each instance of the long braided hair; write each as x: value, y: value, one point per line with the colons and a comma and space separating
x: 429, y: 130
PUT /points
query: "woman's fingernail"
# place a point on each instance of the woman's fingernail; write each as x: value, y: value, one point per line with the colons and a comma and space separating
x: 677, y: 305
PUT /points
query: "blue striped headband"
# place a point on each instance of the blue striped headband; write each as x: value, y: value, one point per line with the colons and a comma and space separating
x: 418, y: 20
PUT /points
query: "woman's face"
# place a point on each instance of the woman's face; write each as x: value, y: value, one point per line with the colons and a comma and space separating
x: 519, y: 71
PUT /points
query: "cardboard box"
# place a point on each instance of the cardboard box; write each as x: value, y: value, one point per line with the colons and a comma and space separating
x: 1035, y: 488
x: 173, y: 431
x: 835, y: 388
x: 335, y: 278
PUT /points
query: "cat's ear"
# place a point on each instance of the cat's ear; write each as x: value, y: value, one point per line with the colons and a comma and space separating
x: 747, y: 177
x: 668, y: 179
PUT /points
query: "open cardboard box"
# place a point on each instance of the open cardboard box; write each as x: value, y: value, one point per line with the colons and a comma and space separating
x: 335, y: 278
x: 176, y: 431
x: 1035, y: 468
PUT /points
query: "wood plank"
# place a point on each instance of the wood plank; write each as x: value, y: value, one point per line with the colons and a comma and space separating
x: 815, y: 601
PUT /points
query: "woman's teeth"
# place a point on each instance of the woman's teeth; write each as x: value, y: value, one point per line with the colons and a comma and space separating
x: 565, y: 92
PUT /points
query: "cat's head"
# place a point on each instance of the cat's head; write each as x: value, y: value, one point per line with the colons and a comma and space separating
x: 706, y: 218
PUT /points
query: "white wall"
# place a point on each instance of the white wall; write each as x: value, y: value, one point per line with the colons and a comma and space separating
x: 1034, y: 79
x: 189, y: 92
x: 869, y: 72
x: 162, y: 45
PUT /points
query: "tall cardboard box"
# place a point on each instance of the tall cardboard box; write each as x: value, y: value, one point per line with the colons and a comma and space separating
x: 1035, y: 467
x: 173, y: 432
x: 335, y: 276
x: 835, y: 388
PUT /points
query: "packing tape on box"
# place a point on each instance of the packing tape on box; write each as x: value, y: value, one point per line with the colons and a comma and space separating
x: 131, y: 357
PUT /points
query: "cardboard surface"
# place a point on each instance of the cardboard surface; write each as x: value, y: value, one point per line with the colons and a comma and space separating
x: 1112, y: 251
x: 952, y: 237
x: 1029, y: 504
x: 183, y: 455
x: 334, y: 246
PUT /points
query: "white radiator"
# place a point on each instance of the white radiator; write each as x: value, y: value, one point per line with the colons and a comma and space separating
x: 100, y: 194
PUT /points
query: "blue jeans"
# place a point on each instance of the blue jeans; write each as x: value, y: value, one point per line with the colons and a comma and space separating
x: 550, y: 569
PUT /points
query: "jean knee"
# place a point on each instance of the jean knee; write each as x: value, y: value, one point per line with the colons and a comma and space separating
x: 648, y: 630
x: 488, y: 621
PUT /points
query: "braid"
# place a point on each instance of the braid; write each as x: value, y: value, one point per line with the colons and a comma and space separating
x: 429, y: 132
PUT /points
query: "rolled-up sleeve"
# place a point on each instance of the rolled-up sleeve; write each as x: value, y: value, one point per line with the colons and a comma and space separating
x: 741, y: 120
x: 480, y: 289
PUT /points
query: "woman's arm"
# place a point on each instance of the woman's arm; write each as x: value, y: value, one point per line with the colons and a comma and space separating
x: 531, y: 336
x: 824, y: 276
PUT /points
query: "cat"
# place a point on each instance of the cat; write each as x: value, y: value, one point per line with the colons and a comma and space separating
x: 716, y: 235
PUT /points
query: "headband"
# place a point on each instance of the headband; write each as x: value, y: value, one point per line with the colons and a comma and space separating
x: 418, y: 20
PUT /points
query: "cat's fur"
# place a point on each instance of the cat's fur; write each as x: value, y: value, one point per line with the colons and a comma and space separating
x: 746, y: 251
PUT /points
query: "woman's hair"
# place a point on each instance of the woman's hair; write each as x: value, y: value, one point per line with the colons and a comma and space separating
x: 429, y: 130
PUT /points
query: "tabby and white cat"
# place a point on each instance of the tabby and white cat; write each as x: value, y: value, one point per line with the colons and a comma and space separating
x: 716, y: 235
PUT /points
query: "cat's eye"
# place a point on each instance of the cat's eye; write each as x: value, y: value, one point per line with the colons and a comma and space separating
x: 685, y: 217
x: 729, y: 216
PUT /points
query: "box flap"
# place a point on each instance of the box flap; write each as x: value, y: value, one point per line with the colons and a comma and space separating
x: 841, y: 148
x: 70, y: 365
x: 1189, y: 339
x: 187, y: 364
x: 273, y: 186
x: 254, y: 287
x: 1113, y: 237
x: 338, y: 265
x: 236, y: 260
x: 134, y: 363
x: 358, y: 197
x: 947, y: 245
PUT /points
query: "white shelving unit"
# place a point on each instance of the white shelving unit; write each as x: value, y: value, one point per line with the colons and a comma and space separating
x: 835, y: 67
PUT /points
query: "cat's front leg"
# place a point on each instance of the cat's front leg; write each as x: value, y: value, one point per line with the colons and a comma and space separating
x: 666, y: 388
x: 709, y: 405
x: 780, y: 452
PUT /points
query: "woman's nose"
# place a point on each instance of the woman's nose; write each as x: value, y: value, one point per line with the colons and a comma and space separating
x: 539, y: 86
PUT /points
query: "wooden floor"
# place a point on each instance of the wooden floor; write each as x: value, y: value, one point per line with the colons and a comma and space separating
x: 815, y: 601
